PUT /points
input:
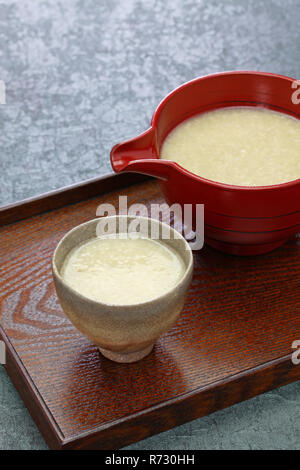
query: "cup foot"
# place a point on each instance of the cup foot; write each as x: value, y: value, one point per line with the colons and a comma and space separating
x: 126, y: 357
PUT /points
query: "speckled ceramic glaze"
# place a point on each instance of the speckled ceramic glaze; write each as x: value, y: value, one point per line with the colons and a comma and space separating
x: 123, y: 333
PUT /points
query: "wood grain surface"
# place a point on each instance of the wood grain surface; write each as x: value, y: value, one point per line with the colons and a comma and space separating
x: 232, y: 341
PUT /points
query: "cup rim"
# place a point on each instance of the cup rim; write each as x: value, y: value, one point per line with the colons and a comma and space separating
x: 181, y: 281
x: 224, y: 186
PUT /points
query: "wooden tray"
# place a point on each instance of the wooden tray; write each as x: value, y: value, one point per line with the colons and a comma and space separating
x: 232, y: 341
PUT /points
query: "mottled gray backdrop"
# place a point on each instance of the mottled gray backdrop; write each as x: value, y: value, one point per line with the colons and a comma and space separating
x: 83, y: 75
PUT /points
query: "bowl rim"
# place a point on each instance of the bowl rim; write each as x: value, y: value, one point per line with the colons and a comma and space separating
x: 224, y: 186
x: 188, y: 270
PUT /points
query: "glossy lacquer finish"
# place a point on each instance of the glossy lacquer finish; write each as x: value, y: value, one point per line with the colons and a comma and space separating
x: 238, y: 220
x: 232, y: 340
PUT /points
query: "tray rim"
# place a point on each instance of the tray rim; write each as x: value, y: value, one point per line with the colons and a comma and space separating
x: 55, y: 438
x: 89, y: 439
x: 181, y: 399
x: 72, y: 193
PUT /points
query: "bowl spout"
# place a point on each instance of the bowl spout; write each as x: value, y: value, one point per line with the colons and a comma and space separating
x: 139, y: 155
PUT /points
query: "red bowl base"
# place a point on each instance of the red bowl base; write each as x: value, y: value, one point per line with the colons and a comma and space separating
x: 243, y: 250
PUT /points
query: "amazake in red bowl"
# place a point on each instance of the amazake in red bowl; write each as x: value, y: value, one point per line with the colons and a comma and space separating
x: 238, y: 219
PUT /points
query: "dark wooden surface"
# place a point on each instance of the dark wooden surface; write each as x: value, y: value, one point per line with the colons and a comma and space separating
x: 232, y: 341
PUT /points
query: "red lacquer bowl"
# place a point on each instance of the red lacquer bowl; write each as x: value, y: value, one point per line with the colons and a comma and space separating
x: 238, y: 219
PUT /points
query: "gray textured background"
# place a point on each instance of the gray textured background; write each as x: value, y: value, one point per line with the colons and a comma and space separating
x: 83, y: 75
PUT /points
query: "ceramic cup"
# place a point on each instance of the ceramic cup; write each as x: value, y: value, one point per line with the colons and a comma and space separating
x: 123, y: 333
